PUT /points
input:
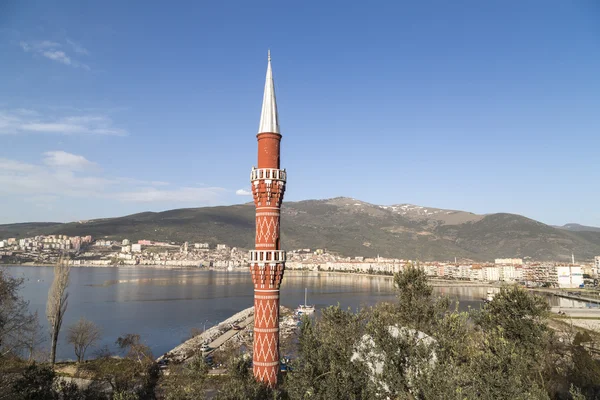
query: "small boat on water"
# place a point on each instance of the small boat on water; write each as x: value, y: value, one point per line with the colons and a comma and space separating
x: 489, y: 296
x: 305, y: 309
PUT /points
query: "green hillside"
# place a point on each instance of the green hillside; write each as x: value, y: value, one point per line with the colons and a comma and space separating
x: 348, y: 227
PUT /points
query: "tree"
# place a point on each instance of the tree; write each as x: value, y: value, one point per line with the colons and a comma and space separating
x: 520, y: 316
x: 57, y: 303
x: 324, y: 369
x: 416, y: 307
x: 134, y: 349
x: 185, y: 381
x: 36, y: 383
x: 41, y: 383
x: 145, y: 366
x: 241, y: 385
x: 32, y: 338
x: 15, y: 319
x: 82, y: 335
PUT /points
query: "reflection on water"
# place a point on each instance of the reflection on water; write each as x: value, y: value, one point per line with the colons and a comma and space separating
x: 163, y: 305
x: 556, y: 301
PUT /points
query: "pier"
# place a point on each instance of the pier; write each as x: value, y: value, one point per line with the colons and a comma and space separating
x: 567, y: 295
x: 218, y: 335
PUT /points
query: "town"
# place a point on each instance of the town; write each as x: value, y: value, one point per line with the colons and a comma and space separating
x: 84, y: 251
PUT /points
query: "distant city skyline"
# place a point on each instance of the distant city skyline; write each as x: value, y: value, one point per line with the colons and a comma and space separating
x: 111, y: 109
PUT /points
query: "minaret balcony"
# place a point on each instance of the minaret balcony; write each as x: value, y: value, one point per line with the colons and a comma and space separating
x: 267, y: 256
x: 268, y: 174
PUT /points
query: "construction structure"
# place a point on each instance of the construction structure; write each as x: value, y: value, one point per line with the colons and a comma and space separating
x: 267, y: 260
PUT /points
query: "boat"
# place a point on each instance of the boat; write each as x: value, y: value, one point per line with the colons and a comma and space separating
x: 305, y: 309
x: 489, y: 296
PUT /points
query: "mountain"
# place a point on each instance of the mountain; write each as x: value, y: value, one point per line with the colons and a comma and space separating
x: 349, y: 227
x: 579, y: 228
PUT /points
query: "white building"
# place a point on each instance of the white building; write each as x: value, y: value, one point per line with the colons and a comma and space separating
x: 126, y: 249
x: 136, y: 248
x: 464, y: 272
x: 491, y: 274
x: 509, y: 261
x: 569, y: 276
x: 510, y: 273
x: 222, y: 247
x: 597, y: 262
x: 125, y: 242
x: 477, y: 274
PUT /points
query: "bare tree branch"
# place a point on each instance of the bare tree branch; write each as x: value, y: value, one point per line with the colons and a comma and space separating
x: 81, y: 335
x: 57, y: 302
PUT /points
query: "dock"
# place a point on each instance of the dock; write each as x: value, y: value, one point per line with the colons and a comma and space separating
x: 567, y: 295
x: 221, y: 340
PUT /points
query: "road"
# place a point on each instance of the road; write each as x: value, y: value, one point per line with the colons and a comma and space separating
x: 221, y: 340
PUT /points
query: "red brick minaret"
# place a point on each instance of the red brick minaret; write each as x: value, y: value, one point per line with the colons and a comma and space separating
x: 267, y: 261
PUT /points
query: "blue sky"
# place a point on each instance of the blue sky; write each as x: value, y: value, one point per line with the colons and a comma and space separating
x: 110, y: 108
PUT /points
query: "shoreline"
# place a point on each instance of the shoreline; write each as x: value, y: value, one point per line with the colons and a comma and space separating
x: 153, y: 266
x: 221, y: 333
x: 435, y: 282
x: 182, y: 352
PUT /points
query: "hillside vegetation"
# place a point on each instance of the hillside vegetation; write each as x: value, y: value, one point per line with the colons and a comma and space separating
x: 349, y: 227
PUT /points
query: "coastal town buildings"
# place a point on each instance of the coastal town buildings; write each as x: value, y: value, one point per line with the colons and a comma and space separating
x: 508, y: 261
x: 83, y: 251
x: 49, y: 242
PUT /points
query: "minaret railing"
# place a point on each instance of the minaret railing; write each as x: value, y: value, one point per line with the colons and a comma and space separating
x: 268, y: 173
x: 267, y: 256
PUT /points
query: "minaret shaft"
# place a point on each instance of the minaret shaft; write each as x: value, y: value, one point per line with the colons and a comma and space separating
x: 267, y: 261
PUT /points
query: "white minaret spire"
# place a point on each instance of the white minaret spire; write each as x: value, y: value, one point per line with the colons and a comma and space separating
x: 269, y: 121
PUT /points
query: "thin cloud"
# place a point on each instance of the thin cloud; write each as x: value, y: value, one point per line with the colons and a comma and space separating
x: 55, y: 51
x: 63, y: 175
x: 243, y: 192
x: 63, y: 159
x: 57, y: 55
x: 30, y: 121
x: 15, y: 166
x: 208, y: 195
x: 78, y: 48
x: 47, y: 44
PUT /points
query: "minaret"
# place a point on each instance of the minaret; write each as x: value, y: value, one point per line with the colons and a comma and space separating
x: 267, y: 261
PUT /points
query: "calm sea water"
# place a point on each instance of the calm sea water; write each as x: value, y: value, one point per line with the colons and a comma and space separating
x: 163, y: 305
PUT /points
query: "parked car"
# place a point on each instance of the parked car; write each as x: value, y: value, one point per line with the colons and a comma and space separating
x: 204, y: 348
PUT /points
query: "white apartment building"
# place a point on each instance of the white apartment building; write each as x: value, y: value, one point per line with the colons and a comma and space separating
x: 136, y: 248
x: 491, y: 274
x: 430, y: 270
x: 569, y: 276
x: 464, y: 272
x: 509, y: 261
x: 477, y: 274
x: 510, y: 273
